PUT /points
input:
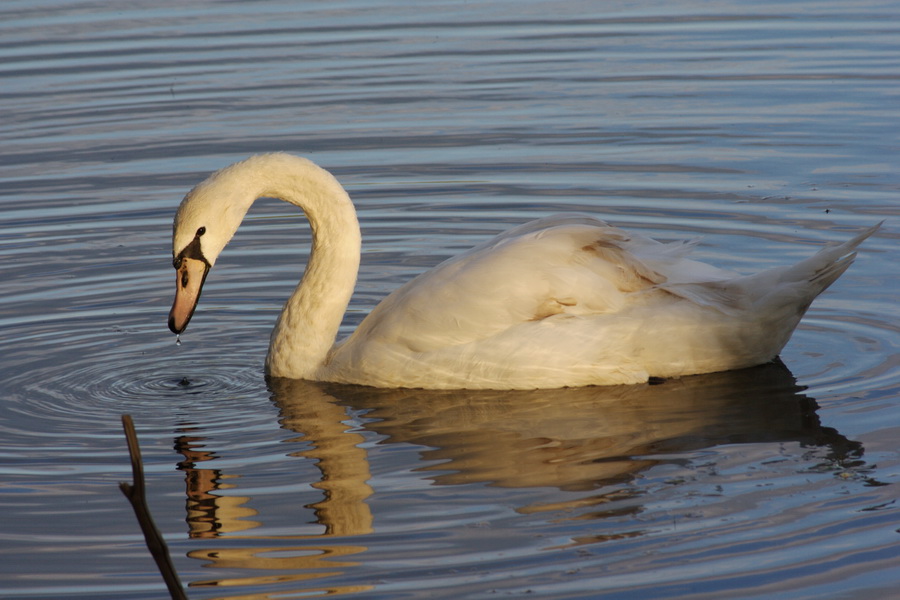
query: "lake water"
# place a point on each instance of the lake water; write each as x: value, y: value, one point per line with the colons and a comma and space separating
x: 767, y: 128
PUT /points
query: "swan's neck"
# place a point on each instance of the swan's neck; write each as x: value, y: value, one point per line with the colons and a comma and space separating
x: 308, y: 325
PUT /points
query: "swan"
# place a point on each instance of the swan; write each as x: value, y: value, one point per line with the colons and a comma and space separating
x: 564, y: 301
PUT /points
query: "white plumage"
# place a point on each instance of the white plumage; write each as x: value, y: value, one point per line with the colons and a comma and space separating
x: 562, y: 301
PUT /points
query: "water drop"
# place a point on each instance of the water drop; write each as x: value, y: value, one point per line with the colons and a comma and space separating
x: 185, y: 382
x: 177, y: 339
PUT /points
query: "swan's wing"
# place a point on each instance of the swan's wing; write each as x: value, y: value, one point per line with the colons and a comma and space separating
x: 576, y: 266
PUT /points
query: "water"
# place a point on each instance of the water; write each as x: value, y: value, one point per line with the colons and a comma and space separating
x: 767, y: 128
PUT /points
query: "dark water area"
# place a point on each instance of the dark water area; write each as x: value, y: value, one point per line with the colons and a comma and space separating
x: 768, y: 129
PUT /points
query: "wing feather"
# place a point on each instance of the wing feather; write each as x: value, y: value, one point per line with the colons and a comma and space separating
x: 571, y: 265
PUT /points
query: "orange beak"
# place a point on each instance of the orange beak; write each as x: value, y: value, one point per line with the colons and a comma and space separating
x: 190, y: 275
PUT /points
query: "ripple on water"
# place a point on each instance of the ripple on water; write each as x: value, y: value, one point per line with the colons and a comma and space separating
x: 852, y: 352
x: 84, y: 377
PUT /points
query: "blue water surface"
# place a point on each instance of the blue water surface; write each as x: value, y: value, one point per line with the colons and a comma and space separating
x: 766, y: 128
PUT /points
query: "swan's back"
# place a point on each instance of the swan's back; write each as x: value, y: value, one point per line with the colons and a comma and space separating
x: 569, y: 301
x: 555, y: 266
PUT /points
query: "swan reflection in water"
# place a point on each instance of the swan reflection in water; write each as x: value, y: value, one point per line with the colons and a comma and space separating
x: 574, y: 440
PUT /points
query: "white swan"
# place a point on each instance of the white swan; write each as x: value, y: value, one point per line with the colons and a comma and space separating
x: 561, y: 301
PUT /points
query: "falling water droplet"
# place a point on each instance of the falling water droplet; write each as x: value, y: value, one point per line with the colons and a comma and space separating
x: 177, y: 339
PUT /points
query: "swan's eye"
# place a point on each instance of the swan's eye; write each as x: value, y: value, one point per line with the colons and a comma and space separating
x: 201, y: 231
x: 177, y: 263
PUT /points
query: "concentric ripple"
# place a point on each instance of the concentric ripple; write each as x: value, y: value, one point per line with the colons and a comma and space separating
x: 846, y: 353
x: 82, y: 379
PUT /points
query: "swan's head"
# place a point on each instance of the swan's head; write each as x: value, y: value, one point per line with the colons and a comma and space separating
x: 205, y: 222
x: 212, y: 211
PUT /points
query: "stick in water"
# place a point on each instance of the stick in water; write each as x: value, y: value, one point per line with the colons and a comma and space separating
x: 137, y: 497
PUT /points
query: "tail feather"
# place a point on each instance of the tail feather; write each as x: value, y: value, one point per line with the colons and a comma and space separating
x: 830, y: 273
x: 823, y: 268
x: 788, y: 290
x: 792, y: 289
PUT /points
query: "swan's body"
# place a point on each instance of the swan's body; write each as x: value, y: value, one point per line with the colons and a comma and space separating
x: 562, y: 301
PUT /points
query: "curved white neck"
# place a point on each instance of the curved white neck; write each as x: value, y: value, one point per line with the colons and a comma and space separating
x: 308, y: 325
x: 211, y: 213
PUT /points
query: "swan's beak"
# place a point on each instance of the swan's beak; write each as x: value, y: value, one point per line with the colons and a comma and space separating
x: 190, y: 275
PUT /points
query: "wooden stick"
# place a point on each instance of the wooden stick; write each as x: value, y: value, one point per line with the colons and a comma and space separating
x: 136, y: 495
